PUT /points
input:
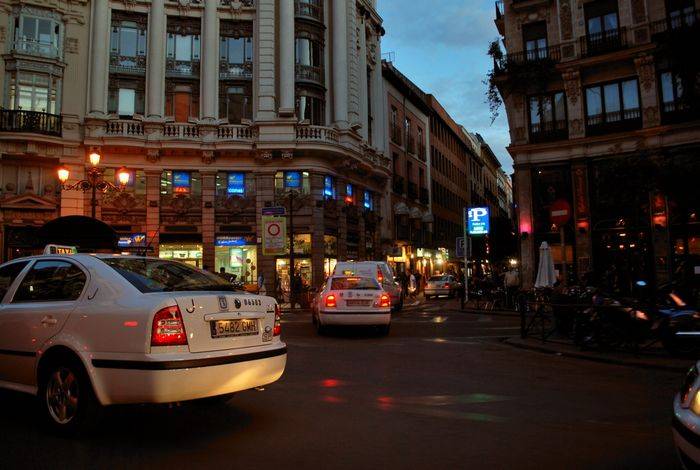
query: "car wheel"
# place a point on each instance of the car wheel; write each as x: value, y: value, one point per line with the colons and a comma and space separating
x: 320, y: 329
x: 67, y: 402
x: 384, y: 329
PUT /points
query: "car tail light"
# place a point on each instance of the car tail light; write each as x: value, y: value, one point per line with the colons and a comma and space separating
x: 278, y: 321
x: 330, y: 301
x: 385, y: 300
x: 447, y: 286
x: 380, y: 276
x: 168, y: 328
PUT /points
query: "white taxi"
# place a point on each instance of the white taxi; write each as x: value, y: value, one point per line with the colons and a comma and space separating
x: 83, y: 330
x: 686, y: 420
x: 351, y: 300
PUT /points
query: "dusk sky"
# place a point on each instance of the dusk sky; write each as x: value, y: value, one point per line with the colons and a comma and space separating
x: 441, y: 47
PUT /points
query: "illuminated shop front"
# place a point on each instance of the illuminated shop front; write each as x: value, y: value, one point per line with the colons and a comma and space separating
x: 237, y: 255
x: 190, y: 253
x: 330, y: 257
x: 302, y: 262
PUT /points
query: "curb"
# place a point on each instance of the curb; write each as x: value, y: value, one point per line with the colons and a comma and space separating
x: 599, y: 359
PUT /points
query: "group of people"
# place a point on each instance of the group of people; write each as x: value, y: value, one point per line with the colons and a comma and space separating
x: 412, y: 283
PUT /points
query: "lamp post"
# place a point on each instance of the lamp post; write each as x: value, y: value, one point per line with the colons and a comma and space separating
x: 94, y: 181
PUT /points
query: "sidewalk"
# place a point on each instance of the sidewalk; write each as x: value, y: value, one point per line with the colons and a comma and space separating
x: 653, y: 358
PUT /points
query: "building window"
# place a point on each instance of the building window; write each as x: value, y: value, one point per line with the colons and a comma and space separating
x: 349, y: 194
x: 37, y: 35
x: 235, y: 184
x: 395, y: 128
x: 235, y: 103
x: 613, y: 106
x: 128, y: 44
x: 547, y: 116
x: 183, y: 48
x: 309, y: 59
x: 535, y: 40
x: 681, y: 13
x: 368, y: 201
x: 33, y: 92
x: 328, y: 187
x: 602, y: 26
x: 180, y: 183
x: 311, y: 108
x: 292, y: 181
x: 236, y: 57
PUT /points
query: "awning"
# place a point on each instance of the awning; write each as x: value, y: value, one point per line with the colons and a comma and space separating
x: 85, y: 233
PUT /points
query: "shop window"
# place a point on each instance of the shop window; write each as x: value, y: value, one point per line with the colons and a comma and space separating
x: 235, y: 184
x: 137, y: 180
x: 349, y: 194
x: 368, y: 201
x: 237, y: 255
x: 180, y: 183
x: 190, y: 253
x: 328, y: 187
x: 298, y: 181
x: 302, y: 244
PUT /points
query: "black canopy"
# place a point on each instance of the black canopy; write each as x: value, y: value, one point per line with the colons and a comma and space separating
x: 86, y: 233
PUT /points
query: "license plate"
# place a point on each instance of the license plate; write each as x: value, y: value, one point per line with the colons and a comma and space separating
x: 228, y: 328
x: 357, y: 303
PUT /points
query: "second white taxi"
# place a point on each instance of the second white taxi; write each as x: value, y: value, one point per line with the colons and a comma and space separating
x: 351, y: 300
x: 82, y: 330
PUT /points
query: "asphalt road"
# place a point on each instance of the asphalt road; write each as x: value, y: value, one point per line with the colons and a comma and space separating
x: 440, y: 391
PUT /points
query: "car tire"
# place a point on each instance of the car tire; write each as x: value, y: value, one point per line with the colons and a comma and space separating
x: 320, y: 329
x: 384, y: 330
x: 67, y: 402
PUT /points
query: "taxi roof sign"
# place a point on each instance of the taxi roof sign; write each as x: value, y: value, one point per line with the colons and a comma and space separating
x: 60, y: 250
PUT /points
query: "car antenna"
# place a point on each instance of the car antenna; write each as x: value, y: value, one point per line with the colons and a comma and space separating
x: 150, y: 242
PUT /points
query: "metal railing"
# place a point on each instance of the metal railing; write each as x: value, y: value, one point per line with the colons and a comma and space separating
x: 677, y: 23
x: 229, y: 71
x: 552, y: 53
x: 127, y: 64
x: 603, y: 42
x: 18, y: 120
x: 548, y: 131
x: 310, y: 73
x: 617, y: 121
x: 245, y: 3
x: 31, y: 47
x: 309, y: 9
x: 183, y: 68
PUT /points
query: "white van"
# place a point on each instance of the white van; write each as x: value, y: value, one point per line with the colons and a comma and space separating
x: 378, y: 270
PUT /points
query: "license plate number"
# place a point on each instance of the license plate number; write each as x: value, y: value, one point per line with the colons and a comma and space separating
x: 357, y: 303
x: 228, y: 328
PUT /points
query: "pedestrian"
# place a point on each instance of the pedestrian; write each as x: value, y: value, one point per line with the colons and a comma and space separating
x: 419, y: 277
x: 224, y: 275
x: 412, y: 286
x: 261, y: 284
x: 511, y: 282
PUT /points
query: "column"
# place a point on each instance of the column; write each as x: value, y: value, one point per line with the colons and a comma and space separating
x: 646, y: 70
x: 265, y: 62
x: 582, y: 218
x: 155, y: 71
x: 574, y: 104
x: 318, y: 230
x: 523, y: 195
x: 208, y: 219
x: 340, y: 64
x: 99, y: 55
x: 379, y: 103
x: 364, y: 103
x: 210, y: 61
x: 286, y: 58
x: 153, y: 207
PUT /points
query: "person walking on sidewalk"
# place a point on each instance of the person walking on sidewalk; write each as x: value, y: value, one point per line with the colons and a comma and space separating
x: 412, y: 287
x: 511, y: 282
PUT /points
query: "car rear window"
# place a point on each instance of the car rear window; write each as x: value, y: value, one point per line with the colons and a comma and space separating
x: 354, y: 283
x: 439, y: 278
x: 153, y: 275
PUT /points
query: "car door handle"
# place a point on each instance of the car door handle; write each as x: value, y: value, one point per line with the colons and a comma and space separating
x: 49, y: 321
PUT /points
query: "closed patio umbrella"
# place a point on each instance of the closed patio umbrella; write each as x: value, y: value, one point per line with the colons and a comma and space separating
x: 546, y: 277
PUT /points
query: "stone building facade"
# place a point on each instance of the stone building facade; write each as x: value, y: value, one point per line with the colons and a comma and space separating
x: 219, y: 108
x: 602, y: 104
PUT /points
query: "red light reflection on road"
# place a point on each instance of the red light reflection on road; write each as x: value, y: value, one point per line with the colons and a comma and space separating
x: 385, y: 403
x: 331, y: 383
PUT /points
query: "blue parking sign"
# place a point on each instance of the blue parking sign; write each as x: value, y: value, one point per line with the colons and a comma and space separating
x: 478, y: 220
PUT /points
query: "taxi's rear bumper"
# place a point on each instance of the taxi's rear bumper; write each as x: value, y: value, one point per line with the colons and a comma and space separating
x: 118, y: 381
x: 370, y: 318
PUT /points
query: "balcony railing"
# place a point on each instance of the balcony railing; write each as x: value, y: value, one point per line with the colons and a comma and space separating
x: 412, y: 190
x: 309, y: 9
x: 229, y: 71
x: 549, y: 131
x: 424, y: 198
x: 28, y: 46
x: 182, y: 68
x: 676, y: 24
x: 126, y: 64
x: 317, y: 134
x: 396, y: 134
x: 679, y: 111
x: 125, y: 128
x: 18, y: 120
x: 310, y: 73
x: 176, y: 130
x: 234, y: 132
x: 618, y: 121
x: 398, y: 185
x: 603, y: 42
x: 540, y: 54
x: 245, y: 3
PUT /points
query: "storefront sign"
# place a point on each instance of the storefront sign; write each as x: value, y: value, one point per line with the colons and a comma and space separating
x: 226, y: 240
x: 580, y: 193
x: 274, y: 211
x: 133, y: 240
x: 478, y: 220
x: 181, y: 182
x: 292, y: 179
x: 274, y: 230
x: 236, y: 184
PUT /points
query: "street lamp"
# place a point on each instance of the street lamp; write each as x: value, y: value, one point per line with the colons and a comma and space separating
x: 94, y: 181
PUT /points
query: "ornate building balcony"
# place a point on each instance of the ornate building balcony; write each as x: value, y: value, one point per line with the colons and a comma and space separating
x: 35, y: 122
x: 551, y: 53
x: 180, y: 131
x: 128, y: 65
x: 549, y: 131
x: 311, y: 9
x: 603, y: 42
x: 310, y: 73
x: 317, y: 134
x: 678, y: 24
x: 35, y: 48
x: 243, y: 3
x: 124, y: 128
x: 182, y: 68
x: 228, y: 71
x: 620, y: 121
x: 236, y: 133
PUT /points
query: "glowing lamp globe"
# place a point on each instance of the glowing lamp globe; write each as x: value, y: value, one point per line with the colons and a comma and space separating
x: 63, y: 174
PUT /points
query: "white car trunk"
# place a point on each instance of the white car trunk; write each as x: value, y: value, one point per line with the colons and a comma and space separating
x: 356, y: 300
x: 214, y: 322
